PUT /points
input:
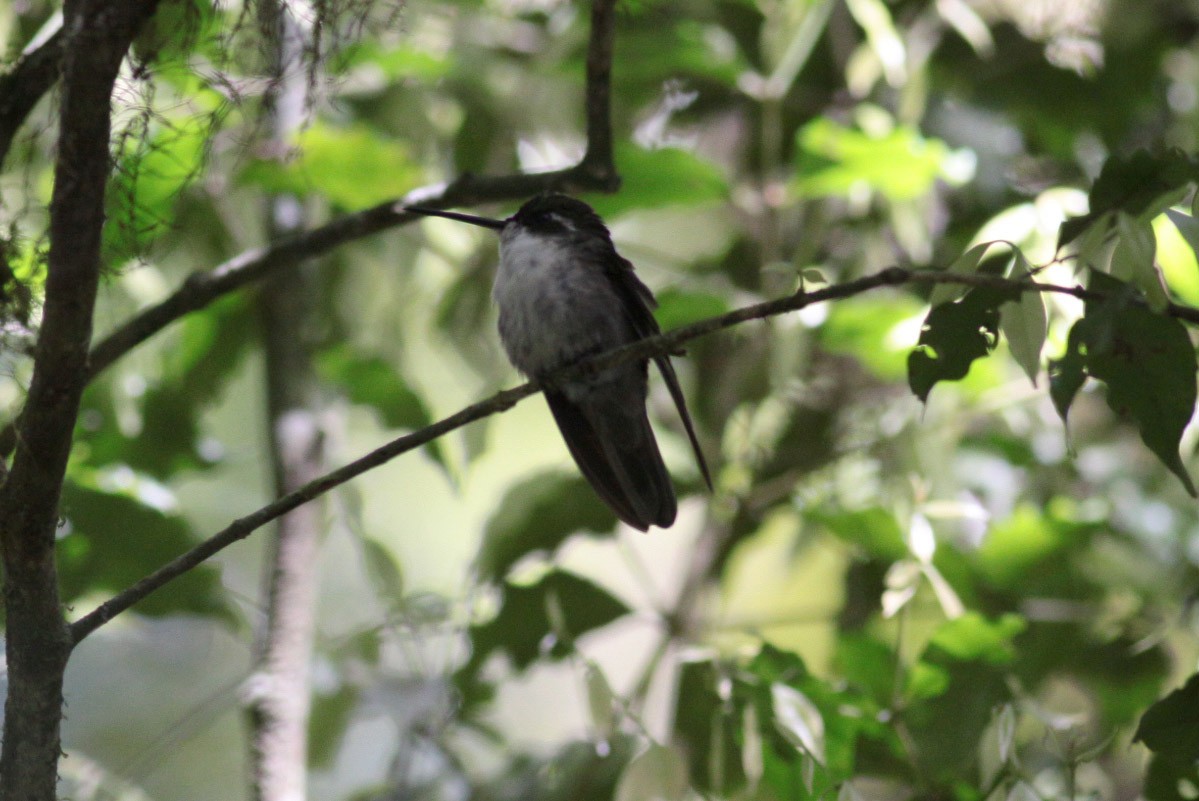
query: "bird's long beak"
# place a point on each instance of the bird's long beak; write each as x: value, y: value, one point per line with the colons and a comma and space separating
x: 485, y: 222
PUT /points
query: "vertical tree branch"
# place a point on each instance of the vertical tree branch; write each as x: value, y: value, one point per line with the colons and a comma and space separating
x: 98, y: 33
x: 599, y: 159
x: 279, y: 690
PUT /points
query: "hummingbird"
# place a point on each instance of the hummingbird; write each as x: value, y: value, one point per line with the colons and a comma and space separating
x: 564, y: 294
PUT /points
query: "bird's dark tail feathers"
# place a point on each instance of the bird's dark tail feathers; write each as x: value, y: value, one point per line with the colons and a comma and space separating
x: 619, y: 457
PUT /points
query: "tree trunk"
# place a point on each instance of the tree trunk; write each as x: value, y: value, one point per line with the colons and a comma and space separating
x: 38, y: 643
x: 280, y: 687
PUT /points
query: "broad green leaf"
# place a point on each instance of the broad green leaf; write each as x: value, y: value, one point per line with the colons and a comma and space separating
x: 1139, y: 185
x: 210, y: 346
x: 709, y: 728
x: 953, y: 336
x: 352, y: 167
x: 1145, y: 359
x: 868, y: 664
x: 875, y: 530
x: 1178, y: 253
x: 116, y: 536
x: 659, y: 773
x: 966, y: 264
x: 1170, y: 780
x: 798, y: 719
x: 601, y: 701
x: 1133, y: 259
x: 812, y: 730
x: 383, y: 571
x: 973, y: 637
x: 1014, y: 546
x: 523, y: 628
x: 1024, y: 323
x: 374, y: 382
x: 677, y: 308
x: 667, y: 176
x: 884, y: 39
x: 1171, y: 726
x: 538, y: 515
x: 151, y: 177
x: 1068, y: 374
x: 328, y: 720
x: 837, y: 161
x: 873, y: 330
x: 959, y: 679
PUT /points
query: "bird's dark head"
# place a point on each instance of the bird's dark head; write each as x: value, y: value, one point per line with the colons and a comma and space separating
x: 548, y: 214
x: 553, y: 213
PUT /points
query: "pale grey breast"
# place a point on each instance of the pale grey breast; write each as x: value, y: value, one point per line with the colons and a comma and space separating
x: 554, y: 307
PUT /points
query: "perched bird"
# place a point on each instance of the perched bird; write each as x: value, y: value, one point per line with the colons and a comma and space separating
x: 564, y: 294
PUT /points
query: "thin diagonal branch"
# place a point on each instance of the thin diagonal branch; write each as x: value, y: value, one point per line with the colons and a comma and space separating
x: 25, y: 84
x: 666, y: 343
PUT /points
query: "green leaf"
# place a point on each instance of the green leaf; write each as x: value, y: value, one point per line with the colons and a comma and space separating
x: 209, y: 348
x: 327, y: 724
x: 374, y: 382
x: 834, y: 160
x: 1025, y: 324
x: 653, y: 179
x: 677, y: 308
x: 1133, y: 259
x: 1170, y: 780
x: 352, y: 167
x: 384, y: 572
x: 1171, y: 726
x: 1067, y: 374
x: 972, y: 637
x: 875, y: 530
x: 953, y: 336
x: 656, y: 774
x: 524, y: 627
x: 1016, y: 545
x: 866, y: 327
x: 1145, y: 359
x: 709, y: 728
x: 1178, y: 253
x: 115, y: 537
x: 959, y: 679
x: 966, y: 264
x: 149, y: 182
x: 1139, y: 185
x: 601, y: 701
x: 538, y: 515
x: 798, y: 720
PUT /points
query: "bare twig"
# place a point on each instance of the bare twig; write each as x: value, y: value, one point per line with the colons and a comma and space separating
x: 501, y: 401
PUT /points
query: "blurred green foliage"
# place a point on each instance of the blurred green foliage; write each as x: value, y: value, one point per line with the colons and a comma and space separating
x: 961, y: 598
